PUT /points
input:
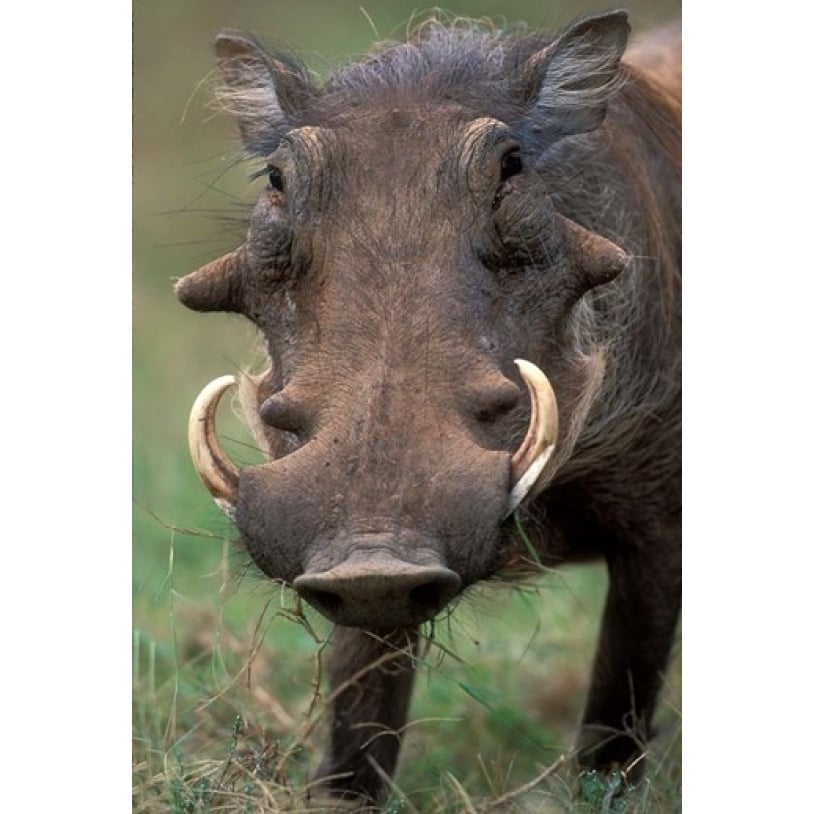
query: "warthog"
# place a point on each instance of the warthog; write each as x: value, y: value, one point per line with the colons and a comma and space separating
x: 444, y: 220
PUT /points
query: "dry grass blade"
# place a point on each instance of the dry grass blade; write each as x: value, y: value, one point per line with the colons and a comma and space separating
x: 494, y: 804
x: 469, y: 808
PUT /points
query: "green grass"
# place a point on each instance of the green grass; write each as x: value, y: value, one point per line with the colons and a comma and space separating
x: 229, y: 710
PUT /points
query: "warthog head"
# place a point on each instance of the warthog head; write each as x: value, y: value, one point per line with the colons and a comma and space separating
x: 410, y: 270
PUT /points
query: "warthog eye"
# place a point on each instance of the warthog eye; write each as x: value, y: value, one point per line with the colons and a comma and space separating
x: 511, y: 164
x: 275, y: 178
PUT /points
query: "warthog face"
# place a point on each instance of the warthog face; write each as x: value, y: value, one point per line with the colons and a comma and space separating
x: 405, y: 252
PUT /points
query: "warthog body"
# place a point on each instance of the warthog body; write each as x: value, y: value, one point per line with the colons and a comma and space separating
x: 433, y: 213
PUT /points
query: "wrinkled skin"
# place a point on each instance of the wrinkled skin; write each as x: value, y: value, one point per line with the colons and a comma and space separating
x: 370, y: 379
x: 410, y: 244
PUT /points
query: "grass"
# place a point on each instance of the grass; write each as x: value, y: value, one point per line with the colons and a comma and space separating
x: 229, y: 710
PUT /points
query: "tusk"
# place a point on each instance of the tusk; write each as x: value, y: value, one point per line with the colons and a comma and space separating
x: 534, y: 453
x: 218, y: 473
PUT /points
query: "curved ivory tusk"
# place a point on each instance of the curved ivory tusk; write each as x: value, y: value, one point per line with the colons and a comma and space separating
x: 530, y: 459
x: 218, y: 473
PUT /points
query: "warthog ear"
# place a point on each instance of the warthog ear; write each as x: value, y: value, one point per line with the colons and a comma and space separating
x: 570, y: 81
x: 263, y: 92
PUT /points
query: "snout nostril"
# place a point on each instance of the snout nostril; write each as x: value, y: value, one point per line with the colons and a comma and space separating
x: 430, y: 597
x: 378, y: 591
x: 326, y: 601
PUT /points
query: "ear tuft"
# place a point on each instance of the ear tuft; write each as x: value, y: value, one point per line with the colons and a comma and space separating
x: 237, y: 44
x: 263, y: 92
x: 571, y: 81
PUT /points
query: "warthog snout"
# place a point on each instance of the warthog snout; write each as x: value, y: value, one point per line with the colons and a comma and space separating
x: 377, y: 589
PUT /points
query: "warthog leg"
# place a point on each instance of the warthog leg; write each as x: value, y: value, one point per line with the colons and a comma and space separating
x: 371, y: 680
x: 641, y: 613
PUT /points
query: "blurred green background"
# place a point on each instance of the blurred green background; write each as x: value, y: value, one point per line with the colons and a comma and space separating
x: 190, y: 205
